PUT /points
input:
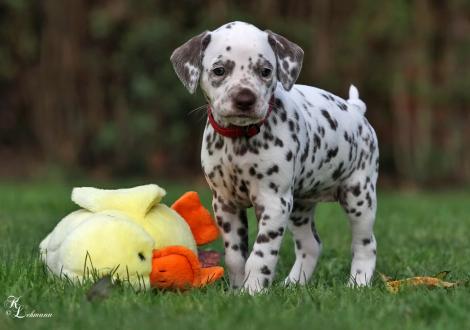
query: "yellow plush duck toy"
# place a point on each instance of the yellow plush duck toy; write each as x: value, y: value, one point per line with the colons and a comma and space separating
x: 128, y: 233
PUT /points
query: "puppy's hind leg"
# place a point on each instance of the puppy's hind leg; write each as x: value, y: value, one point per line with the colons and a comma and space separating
x: 359, y: 202
x: 307, y: 243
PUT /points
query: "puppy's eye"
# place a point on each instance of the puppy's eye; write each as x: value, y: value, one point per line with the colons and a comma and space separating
x: 220, y: 71
x: 266, y: 72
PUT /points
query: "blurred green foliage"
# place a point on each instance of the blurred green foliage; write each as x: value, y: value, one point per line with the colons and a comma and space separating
x: 89, y: 85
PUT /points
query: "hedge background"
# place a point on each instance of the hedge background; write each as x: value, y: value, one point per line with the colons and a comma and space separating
x: 87, y: 86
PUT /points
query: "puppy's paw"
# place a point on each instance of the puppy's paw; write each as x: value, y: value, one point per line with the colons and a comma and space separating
x: 255, y: 285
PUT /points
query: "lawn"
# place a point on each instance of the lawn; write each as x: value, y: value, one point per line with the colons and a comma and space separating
x: 417, y: 233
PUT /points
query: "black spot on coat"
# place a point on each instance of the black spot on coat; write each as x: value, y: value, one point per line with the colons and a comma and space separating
x: 333, y: 123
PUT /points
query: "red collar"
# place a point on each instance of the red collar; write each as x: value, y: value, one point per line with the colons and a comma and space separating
x: 233, y: 131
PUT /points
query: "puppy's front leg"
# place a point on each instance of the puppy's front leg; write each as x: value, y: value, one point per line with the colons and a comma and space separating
x: 272, y: 212
x: 233, y: 225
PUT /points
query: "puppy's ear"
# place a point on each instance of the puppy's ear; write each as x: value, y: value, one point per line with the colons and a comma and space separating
x: 289, y: 58
x: 187, y: 60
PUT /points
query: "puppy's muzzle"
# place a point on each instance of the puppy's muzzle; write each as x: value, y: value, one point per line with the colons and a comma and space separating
x: 244, y: 100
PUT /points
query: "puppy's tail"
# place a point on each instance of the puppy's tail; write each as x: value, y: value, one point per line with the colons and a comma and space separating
x: 355, y: 101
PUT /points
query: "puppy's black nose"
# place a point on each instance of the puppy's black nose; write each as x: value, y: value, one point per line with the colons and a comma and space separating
x: 244, y: 99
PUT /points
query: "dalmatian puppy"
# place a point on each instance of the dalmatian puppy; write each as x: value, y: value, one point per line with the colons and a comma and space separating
x: 280, y: 148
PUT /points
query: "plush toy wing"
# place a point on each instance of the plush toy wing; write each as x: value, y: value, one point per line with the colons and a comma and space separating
x: 199, y: 219
x: 134, y: 202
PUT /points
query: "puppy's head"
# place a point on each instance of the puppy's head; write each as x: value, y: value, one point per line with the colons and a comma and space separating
x: 238, y: 67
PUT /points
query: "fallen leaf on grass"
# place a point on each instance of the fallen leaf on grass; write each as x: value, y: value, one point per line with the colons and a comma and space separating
x: 437, y: 280
x: 101, y: 289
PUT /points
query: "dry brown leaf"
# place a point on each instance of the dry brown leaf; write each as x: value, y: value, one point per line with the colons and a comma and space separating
x: 394, y: 286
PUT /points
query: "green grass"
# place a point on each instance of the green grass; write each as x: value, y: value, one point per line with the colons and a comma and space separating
x: 417, y: 233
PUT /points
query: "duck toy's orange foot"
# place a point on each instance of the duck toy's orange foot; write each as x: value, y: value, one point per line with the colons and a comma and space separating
x: 176, y: 267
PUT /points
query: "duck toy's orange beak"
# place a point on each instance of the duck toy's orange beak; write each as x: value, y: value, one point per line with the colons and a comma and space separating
x: 176, y: 267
